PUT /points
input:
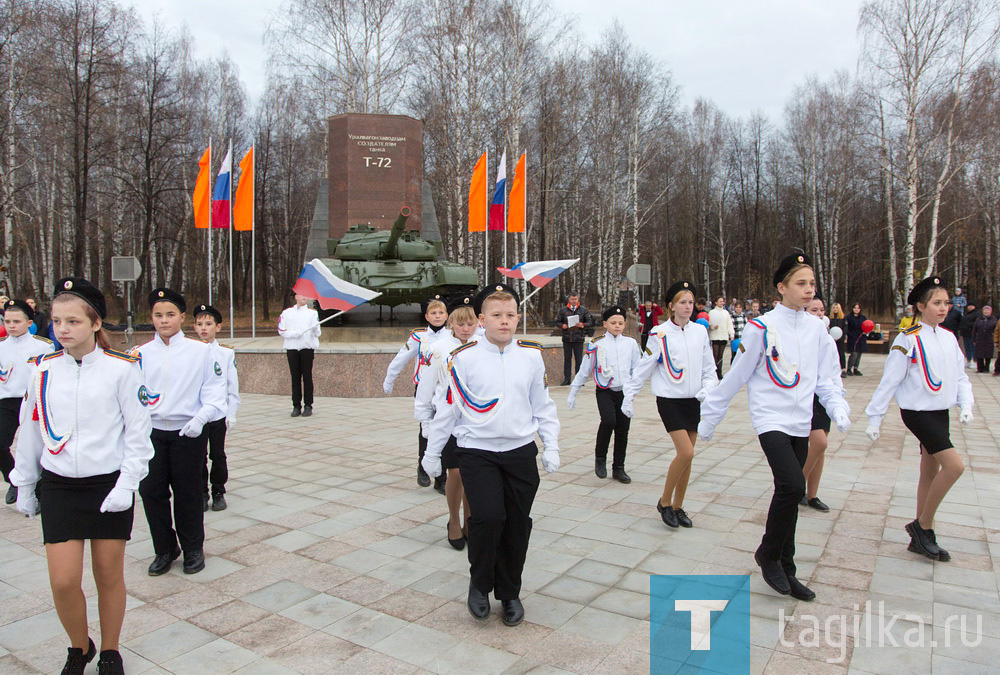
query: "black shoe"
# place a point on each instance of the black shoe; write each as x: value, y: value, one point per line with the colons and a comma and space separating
x: 858, y: 373
x: 457, y: 544
x: 76, y: 660
x: 844, y: 373
x: 667, y: 514
x: 804, y: 501
x: 423, y: 480
x: 161, y: 563
x: 773, y: 574
x: 479, y: 603
x: 818, y: 505
x: 682, y: 518
x: 194, y: 561
x: 513, y: 612
x: 943, y: 555
x: 219, y: 503
x: 618, y: 473
x: 296, y: 412
x: 110, y: 663
x: 205, y: 504
x: 440, y: 482
x: 565, y: 383
x: 600, y: 468
x: 799, y: 590
x: 921, y: 541
x: 11, y: 497
x: 307, y: 411
x: 848, y: 372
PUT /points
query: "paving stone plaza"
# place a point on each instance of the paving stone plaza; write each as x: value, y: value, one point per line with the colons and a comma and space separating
x: 331, y: 559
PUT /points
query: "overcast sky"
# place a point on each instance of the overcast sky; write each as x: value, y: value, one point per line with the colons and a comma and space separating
x: 745, y: 55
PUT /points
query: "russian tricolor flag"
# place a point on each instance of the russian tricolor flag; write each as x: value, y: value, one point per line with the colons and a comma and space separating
x: 498, y: 207
x: 221, y: 193
x: 540, y: 272
x: 319, y: 283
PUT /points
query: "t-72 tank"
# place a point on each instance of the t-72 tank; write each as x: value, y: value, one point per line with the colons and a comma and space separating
x: 402, y: 265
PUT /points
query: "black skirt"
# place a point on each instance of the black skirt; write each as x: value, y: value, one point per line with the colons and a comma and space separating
x: 821, y: 420
x: 449, y: 456
x: 71, y: 509
x: 930, y: 427
x: 679, y: 413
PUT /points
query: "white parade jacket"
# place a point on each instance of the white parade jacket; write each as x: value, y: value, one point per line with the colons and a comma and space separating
x: 434, y: 376
x: 16, y: 362
x: 785, y: 356
x: 495, y: 400
x: 925, y: 370
x: 680, y: 362
x: 609, y: 361
x: 226, y: 357
x: 85, y: 420
x: 184, y: 380
x: 300, y: 327
x: 418, y: 345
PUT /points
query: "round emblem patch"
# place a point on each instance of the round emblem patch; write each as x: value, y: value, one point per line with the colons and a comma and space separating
x: 801, y: 259
x: 160, y: 294
x: 686, y: 284
x: 936, y: 280
x: 68, y: 285
x: 218, y: 369
x: 143, y: 395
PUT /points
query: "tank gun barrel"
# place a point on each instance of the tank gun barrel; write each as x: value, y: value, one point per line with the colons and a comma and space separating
x: 397, y: 231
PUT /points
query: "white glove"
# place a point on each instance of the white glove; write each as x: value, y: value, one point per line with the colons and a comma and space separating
x: 425, y: 429
x: 387, y: 387
x: 119, y: 499
x: 965, y: 417
x: 872, y: 432
x: 230, y: 423
x: 432, y: 465
x: 550, y: 460
x: 193, y: 428
x: 571, y: 399
x: 704, y: 432
x: 842, y: 420
x: 27, y: 502
x: 628, y: 408
x: 702, y: 393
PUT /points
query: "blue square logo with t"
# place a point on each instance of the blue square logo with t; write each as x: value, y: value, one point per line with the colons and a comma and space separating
x: 699, y: 624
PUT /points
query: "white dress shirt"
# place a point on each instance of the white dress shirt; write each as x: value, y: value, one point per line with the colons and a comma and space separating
x: 299, y: 325
x: 15, y: 368
x: 609, y: 360
x: 684, y: 368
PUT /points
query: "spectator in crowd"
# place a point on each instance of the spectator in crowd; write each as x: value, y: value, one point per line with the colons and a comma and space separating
x: 699, y: 307
x: 952, y: 321
x: 965, y: 328
x: 983, y: 336
x: 573, y: 334
x: 838, y: 320
x: 41, y: 318
x: 857, y: 344
x: 908, y: 318
x: 739, y: 322
x: 754, y: 309
x: 960, y: 301
x: 720, y: 332
x: 649, y: 314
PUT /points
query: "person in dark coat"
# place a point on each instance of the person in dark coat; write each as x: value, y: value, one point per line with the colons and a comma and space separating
x: 965, y: 327
x: 573, y: 336
x: 952, y: 321
x: 838, y: 320
x: 856, y: 342
x: 982, y: 335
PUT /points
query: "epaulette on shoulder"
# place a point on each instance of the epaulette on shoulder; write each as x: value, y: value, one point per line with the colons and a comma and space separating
x: 912, y: 330
x: 43, y: 339
x: 467, y: 345
x: 37, y: 360
x: 124, y: 356
x: 226, y: 346
x: 416, y: 334
x: 599, y: 337
x: 531, y: 344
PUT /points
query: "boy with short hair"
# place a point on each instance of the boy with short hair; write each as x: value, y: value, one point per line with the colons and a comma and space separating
x: 207, y: 324
x: 496, y: 452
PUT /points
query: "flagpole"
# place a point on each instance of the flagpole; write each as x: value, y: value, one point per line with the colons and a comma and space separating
x: 253, y: 241
x: 504, y: 213
x: 231, y: 172
x: 486, y: 232
x: 524, y: 236
x: 209, y: 232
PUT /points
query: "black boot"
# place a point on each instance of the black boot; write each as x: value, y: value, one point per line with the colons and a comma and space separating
x: 817, y: 504
x: 423, y: 480
x: 161, y: 563
x: 799, y: 590
x: 618, y: 473
x: 600, y: 468
x: 682, y: 518
x: 219, y: 503
x: 11, y: 497
x: 922, y: 540
x: 774, y: 575
x: 667, y: 514
x: 296, y: 411
x: 76, y: 660
x: 194, y: 561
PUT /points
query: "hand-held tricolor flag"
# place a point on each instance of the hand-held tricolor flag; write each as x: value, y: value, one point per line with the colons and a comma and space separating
x: 478, y: 199
x: 319, y: 283
x: 220, y: 194
x: 540, y: 272
x: 516, y: 211
x: 498, y: 206
x: 243, y: 201
x: 202, y: 203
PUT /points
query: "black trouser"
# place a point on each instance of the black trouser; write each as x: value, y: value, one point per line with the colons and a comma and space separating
x: 300, y: 363
x: 786, y: 455
x: 983, y: 365
x: 571, y: 350
x: 644, y: 338
x: 175, y: 468
x: 217, y: 453
x: 854, y: 361
x: 10, y: 409
x: 841, y: 355
x: 501, y: 487
x: 719, y: 353
x: 613, y: 421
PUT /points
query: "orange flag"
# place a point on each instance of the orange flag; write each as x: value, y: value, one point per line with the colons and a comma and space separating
x: 243, y: 203
x: 478, y: 201
x: 202, y: 193
x: 517, y: 201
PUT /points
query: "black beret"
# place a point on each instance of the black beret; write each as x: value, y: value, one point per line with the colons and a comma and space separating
x: 489, y: 290
x: 789, y: 262
x: 428, y: 301
x: 208, y: 309
x: 615, y: 310
x: 677, y: 287
x: 166, y: 295
x: 918, y: 290
x: 84, y: 290
x: 21, y: 305
x: 462, y: 301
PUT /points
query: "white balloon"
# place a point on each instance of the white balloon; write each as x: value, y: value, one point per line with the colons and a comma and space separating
x: 836, y: 333
x: 826, y: 321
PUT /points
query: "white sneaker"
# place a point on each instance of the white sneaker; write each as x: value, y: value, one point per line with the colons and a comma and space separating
x: 969, y: 365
